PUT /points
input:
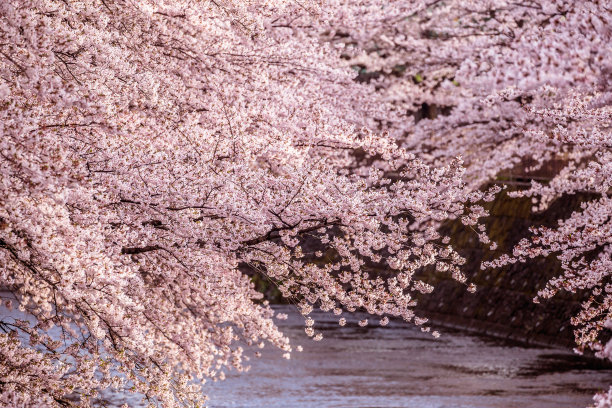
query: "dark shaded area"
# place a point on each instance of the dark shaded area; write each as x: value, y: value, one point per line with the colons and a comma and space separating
x: 503, y: 304
x: 562, y: 363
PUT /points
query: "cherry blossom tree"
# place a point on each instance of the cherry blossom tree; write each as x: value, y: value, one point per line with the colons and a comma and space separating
x: 150, y: 150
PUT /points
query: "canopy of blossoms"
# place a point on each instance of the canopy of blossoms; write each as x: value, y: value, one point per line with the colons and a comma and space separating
x: 148, y: 150
x: 152, y: 150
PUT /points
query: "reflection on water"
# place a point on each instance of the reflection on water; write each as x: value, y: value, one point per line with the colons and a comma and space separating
x: 398, y: 366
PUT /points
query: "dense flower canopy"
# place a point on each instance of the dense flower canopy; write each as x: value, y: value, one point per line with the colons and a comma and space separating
x: 151, y: 151
x: 148, y: 151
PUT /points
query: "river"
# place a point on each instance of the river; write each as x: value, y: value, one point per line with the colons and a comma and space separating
x: 399, y: 366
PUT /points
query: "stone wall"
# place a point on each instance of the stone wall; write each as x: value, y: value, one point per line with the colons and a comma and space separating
x: 503, y: 304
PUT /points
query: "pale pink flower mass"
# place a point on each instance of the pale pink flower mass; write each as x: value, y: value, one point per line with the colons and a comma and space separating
x: 151, y: 151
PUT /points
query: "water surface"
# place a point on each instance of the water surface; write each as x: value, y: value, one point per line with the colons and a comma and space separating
x: 399, y: 366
